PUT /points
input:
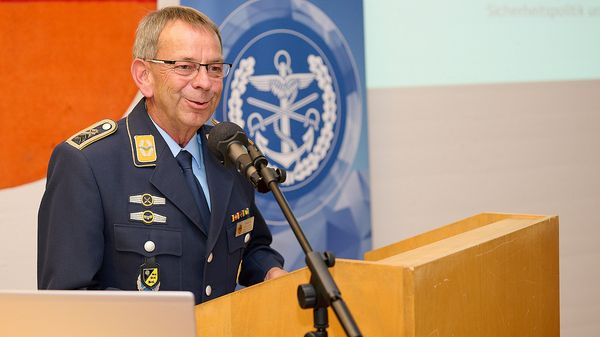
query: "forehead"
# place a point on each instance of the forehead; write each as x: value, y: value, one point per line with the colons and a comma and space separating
x: 188, y: 41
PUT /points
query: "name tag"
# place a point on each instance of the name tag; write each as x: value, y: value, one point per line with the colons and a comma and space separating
x: 244, y: 226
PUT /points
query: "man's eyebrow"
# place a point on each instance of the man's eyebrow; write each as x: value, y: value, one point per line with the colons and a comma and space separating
x: 216, y: 60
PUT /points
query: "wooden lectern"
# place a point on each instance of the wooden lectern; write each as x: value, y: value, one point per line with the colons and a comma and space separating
x: 487, y: 275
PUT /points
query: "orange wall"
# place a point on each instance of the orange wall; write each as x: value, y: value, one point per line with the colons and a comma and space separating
x: 64, y: 65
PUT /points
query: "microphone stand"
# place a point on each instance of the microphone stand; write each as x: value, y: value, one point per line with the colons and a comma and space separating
x: 322, y: 291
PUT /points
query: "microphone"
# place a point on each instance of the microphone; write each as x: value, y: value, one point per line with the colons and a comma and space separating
x: 228, y: 142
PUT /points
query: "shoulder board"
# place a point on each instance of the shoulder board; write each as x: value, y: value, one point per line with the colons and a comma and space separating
x: 92, y: 133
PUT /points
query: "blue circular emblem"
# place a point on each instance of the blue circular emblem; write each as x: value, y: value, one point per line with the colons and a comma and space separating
x: 295, y: 90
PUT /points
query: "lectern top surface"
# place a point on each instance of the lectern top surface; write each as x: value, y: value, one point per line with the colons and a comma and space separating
x: 52, y: 313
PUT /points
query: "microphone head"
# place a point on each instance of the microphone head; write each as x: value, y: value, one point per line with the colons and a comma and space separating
x: 221, y: 136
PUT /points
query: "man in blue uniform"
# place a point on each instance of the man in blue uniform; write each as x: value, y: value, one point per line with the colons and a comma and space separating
x: 141, y: 204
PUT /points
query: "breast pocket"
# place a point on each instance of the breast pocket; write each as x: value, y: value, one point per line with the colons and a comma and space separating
x: 147, y: 241
x: 234, y: 242
x: 136, y: 243
x: 240, y: 233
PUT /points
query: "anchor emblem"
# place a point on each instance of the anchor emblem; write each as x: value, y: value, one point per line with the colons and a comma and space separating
x: 286, y: 86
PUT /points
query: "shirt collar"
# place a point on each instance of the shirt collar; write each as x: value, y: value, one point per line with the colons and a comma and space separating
x: 193, y: 146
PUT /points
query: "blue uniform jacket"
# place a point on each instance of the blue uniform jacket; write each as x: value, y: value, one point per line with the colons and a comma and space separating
x: 94, y: 232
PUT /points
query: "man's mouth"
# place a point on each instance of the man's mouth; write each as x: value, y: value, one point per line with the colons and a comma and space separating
x: 198, y: 104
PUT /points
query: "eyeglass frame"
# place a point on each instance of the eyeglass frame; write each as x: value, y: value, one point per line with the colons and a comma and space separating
x: 205, y: 65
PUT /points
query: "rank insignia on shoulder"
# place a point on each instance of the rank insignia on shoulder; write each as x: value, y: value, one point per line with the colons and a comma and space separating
x: 238, y: 215
x: 93, y: 133
x: 145, y: 149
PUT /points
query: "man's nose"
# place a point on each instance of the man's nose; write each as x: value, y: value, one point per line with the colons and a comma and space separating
x: 201, y: 78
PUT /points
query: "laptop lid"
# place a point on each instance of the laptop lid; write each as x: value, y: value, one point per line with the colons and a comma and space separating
x: 66, y: 313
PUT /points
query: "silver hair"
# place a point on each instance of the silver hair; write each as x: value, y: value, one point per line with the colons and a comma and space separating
x: 148, y: 31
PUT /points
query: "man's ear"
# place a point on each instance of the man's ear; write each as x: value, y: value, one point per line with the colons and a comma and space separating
x: 142, y: 77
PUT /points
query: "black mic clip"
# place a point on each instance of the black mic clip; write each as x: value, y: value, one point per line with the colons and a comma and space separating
x: 267, y: 174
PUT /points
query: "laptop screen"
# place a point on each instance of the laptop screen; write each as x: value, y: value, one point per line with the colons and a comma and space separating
x: 65, y: 313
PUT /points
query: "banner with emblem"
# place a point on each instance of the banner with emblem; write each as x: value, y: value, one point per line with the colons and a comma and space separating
x: 297, y: 88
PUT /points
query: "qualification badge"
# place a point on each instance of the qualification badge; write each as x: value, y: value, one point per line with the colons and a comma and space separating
x: 149, y: 277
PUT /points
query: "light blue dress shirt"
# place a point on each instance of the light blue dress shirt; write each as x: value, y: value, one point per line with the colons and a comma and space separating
x: 194, y: 147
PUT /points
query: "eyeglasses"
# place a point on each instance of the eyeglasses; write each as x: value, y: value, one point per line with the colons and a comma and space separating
x: 190, y: 68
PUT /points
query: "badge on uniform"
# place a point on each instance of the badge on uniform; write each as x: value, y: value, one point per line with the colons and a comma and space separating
x: 92, y: 134
x: 145, y: 148
x: 149, y: 277
x: 146, y: 199
x: 244, y: 226
x: 238, y: 215
x: 148, y: 217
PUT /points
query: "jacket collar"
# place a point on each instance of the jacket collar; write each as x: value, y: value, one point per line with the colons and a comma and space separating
x: 146, y: 143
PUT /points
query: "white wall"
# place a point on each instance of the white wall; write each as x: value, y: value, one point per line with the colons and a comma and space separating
x: 18, y: 235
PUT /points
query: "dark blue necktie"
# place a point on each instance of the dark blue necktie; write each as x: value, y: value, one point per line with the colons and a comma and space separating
x: 184, y: 159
